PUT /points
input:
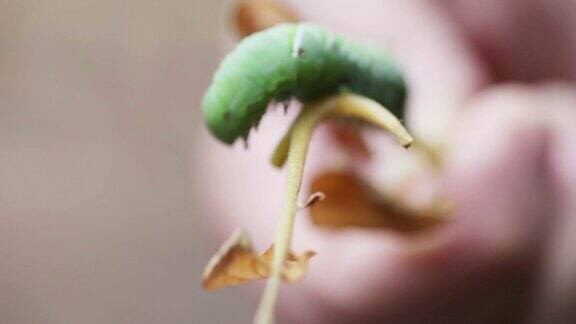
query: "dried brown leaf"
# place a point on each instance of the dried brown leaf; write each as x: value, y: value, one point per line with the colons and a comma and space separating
x: 236, y: 263
x: 295, y: 266
x: 232, y: 264
x: 251, y: 16
x: 350, y: 202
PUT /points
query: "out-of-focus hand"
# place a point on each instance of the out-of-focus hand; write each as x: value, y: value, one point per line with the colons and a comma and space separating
x: 509, y: 168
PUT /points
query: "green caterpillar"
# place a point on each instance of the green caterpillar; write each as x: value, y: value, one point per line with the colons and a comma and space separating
x: 302, y: 61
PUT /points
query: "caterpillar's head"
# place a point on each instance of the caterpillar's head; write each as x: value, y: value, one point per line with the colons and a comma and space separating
x: 246, y: 80
x: 231, y: 111
x: 219, y: 119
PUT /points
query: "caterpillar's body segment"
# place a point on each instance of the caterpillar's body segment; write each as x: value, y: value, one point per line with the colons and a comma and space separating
x: 295, y: 60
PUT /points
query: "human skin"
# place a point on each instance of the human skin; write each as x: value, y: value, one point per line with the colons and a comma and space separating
x: 508, y: 166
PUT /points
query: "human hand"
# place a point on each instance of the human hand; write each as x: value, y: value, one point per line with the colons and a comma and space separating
x: 506, y: 167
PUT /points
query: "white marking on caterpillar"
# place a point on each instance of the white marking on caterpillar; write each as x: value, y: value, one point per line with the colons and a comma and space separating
x: 297, y: 46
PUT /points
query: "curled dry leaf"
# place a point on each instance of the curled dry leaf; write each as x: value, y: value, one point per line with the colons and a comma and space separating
x: 251, y: 16
x: 314, y: 199
x: 235, y: 263
x: 295, y: 266
x: 350, y: 202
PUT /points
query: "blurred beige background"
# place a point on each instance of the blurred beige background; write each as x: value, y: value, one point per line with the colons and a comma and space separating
x: 99, y: 104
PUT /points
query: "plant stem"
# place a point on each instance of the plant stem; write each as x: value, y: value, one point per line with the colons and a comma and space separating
x: 293, y: 149
x: 298, y: 147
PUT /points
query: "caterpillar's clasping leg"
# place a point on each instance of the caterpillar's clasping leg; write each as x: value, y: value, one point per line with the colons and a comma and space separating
x: 292, y: 149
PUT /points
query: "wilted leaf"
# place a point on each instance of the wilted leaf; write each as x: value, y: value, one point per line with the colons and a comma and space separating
x: 296, y: 266
x: 236, y: 263
x: 350, y: 202
x: 251, y: 16
x: 233, y: 264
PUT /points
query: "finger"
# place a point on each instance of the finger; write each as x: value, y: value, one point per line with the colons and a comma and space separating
x: 482, y: 265
x: 556, y: 302
x: 523, y: 40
